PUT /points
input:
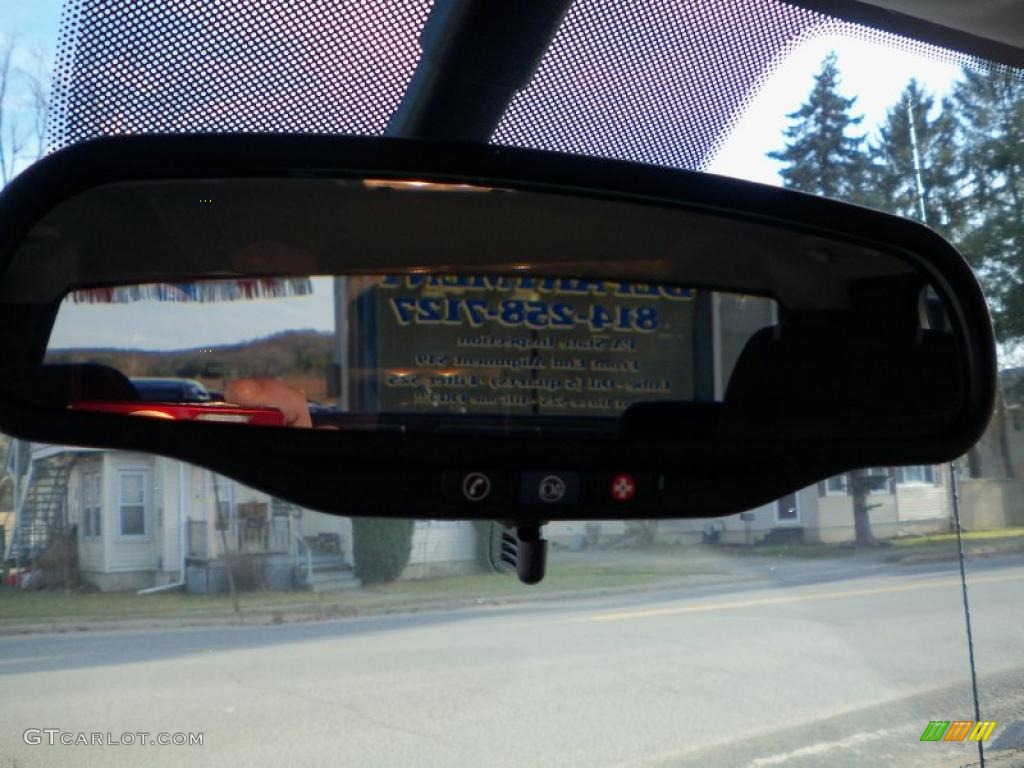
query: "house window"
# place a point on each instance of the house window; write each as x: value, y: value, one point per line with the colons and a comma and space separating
x: 132, y: 503
x: 787, y: 509
x: 917, y: 475
x: 836, y: 486
x: 90, y: 501
x: 217, y: 491
x: 880, y: 487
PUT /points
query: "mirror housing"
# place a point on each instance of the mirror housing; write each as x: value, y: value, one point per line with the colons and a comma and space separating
x: 858, y: 369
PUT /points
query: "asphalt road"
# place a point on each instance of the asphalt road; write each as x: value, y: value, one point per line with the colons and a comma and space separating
x: 813, y: 665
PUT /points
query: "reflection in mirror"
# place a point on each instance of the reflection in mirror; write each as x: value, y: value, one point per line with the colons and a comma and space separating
x: 456, y: 352
x: 452, y: 345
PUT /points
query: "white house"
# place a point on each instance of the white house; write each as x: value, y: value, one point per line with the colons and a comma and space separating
x: 144, y: 521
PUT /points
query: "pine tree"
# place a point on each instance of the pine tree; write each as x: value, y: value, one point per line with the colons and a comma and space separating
x: 990, y: 102
x: 991, y: 109
x: 821, y: 156
x: 969, y: 160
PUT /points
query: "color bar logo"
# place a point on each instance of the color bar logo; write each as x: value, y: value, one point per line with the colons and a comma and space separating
x: 958, y: 730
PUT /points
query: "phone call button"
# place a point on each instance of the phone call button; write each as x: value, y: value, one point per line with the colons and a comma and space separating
x: 472, y: 486
x: 476, y: 486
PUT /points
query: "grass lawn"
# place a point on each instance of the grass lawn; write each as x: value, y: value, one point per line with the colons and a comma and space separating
x: 19, y: 607
x: 975, y: 542
x: 1003, y: 540
x: 789, y: 550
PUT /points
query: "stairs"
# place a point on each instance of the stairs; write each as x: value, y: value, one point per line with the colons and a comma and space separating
x: 332, y: 579
x: 331, y: 573
x: 43, y: 509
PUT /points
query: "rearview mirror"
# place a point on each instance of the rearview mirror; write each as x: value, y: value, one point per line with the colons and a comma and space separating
x: 478, y: 331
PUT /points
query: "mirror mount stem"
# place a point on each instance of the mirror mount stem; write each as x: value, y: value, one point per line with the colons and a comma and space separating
x: 475, y: 58
x: 525, y: 550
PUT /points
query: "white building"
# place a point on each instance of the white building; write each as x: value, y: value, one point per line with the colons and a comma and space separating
x: 143, y: 521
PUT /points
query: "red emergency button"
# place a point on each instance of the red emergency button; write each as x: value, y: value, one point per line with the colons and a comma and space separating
x: 623, y: 487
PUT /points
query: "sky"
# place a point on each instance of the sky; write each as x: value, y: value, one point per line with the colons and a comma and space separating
x: 33, y: 19
x: 873, y: 73
x: 34, y: 26
x: 153, y: 325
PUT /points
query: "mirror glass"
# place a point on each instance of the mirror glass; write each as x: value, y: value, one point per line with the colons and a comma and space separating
x: 442, y: 345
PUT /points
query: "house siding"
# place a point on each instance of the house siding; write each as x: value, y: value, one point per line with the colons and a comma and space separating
x: 921, y: 502
x: 913, y: 508
x: 835, y: 519
x: 441, y: 547
x: 810, y: 512
x: 566, y: 533
x: 885, y: 514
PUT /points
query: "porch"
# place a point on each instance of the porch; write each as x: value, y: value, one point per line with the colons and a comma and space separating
x: 276, y: 570
x: 264, y: 553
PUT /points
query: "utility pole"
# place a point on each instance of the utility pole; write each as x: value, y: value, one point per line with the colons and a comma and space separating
x: 916, y: 154
x: 340, y: 376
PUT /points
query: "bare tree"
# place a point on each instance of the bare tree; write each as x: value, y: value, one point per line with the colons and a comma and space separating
x: 24, y: 106
x: 37, y: 77
x: 7, y: 157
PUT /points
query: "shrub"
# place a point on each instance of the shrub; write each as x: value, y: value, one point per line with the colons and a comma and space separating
x: 381, y: 547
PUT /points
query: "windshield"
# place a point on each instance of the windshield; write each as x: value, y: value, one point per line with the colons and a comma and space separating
x: 156, y: 613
